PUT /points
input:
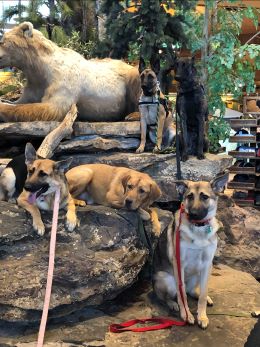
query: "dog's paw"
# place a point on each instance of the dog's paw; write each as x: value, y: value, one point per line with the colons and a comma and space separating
x: 156, y: 149
x: 80, y: 203
x: 203, y: 322
x: 173, y: 305
x: 201, y: 156
x: 144, y: 214
x: 189, y: 319
x: 209, y: 301
x: 184, y: 157
x: 140, y: 149
x: 71, y: 221
x: 39, y: 227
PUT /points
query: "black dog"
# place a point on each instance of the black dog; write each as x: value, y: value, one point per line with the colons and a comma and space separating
x: 192, y: 108
x: 12, y: 178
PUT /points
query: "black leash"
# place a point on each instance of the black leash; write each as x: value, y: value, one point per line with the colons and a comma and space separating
x: 178, y: 152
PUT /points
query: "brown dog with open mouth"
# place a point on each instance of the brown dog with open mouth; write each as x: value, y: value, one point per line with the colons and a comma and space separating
x: 44, y: 177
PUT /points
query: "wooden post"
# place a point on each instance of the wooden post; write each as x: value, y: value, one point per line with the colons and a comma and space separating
x: 53, y: 139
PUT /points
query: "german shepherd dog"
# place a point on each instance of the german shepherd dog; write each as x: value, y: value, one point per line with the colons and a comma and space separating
x: 153, y: 109
x: 192, y: 107
x: 198, y: 243
x: 44, y: 177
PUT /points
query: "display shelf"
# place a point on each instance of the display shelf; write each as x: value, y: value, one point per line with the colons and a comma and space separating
x: 241, y: 123
x: 251, y: 122
x: 244, y: 202
x: 241, y: 185
x: 243, y: 139
x: 242, y: 170
x: 245, y: 155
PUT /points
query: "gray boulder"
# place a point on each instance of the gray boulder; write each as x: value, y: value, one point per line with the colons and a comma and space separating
x: 93, y: 264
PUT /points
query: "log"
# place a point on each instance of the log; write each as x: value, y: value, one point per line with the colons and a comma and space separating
x: 108, y: 129
x: 52, y: 140
x: 41, y: 129
x: 96, y: 143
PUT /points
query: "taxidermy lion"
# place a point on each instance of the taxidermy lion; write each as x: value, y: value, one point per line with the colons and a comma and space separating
x: 103, y: 90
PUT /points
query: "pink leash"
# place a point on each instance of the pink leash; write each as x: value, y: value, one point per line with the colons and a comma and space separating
x: 50, y: 269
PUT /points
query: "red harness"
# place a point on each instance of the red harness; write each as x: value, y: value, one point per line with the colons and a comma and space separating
x: 163, y: 322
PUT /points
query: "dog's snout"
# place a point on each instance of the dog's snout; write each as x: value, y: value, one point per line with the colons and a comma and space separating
x: 28, y: 186
x: 197, y: 214
x: 128, y: 203
x: 31, y: 187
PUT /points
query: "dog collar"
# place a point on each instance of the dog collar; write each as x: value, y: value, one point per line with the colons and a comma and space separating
x: 153, y: 100
x: 197, y: 223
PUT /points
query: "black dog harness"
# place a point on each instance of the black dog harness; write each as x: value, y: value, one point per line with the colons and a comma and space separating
x: 156, y: 100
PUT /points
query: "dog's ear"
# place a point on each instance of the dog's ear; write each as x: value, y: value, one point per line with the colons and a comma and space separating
x: 63, y: 165
x: 30, y: 154
x: 219, y: 183
x: 181, y: 186
x: 155, y: 64
x: 155, y: 192
x: 124, y: 181
x: 141, y: 65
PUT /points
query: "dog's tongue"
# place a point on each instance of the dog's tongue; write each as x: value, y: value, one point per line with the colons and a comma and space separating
x: 32, y: 198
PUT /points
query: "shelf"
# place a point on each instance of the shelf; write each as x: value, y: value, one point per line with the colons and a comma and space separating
x: 242, y: 202
x: 242, y: 170
x: 238, y: 154
x: 240, y: 123
x: 241, y: 185
x: 247, y: 139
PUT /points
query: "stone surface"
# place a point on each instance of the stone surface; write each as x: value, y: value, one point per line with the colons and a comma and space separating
x: 94, y: 143
x: 236, y: 294
x: 239, y: 244
x: 95, y: 263
x: 161, y: 167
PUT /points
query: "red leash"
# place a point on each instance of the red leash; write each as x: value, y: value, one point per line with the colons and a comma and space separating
x: 163, y: 322
x: 126, y: 326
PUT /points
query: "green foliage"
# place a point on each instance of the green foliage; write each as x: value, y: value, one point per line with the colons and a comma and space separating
x: 84, y: 48
x: 229, y: 69
x: 230, y: 65
x: 147, y: 30
x: 218, y: 129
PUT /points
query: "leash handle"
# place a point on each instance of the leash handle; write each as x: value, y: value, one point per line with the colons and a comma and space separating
x: 178, y: 259
x: 126, y: 326
x: 50, y: 269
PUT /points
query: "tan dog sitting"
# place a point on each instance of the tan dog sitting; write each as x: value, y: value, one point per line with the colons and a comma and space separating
x: 113, y: 186
x: 44, y: 177
x: 198, y: 228
x: 153, y: 109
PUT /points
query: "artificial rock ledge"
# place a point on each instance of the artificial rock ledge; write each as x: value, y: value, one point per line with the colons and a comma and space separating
x: 97, y: 261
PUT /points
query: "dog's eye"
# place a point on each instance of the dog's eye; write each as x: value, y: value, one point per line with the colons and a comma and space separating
x: 31, y: 171
x: 42, y: 173
x: 141, y: 191
x: 130, y: 186
x: 204, y: 197
x: 190, y: 196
